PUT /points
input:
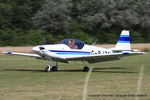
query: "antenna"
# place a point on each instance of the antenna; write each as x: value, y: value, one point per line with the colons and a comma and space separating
x: 94, y: 42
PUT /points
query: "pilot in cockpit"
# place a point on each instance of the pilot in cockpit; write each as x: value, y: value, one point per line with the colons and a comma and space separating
x: 72, y: 44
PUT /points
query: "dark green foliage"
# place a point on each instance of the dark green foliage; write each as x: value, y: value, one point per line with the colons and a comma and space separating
x: 6, y: 14
x: 33, y: 37
x: 5, y: 38
x: 113, y: 14
x: 16, y: 21
x: 49, y: 39
x: 107, y: 36
x: 54, y: 16
x: 81, y: 36
x: 32, y: 22
x: 106, y: 14
x: 148, y: 38
x: 137, y: 37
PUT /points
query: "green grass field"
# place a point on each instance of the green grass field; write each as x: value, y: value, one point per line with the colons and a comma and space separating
x: 23, y: 78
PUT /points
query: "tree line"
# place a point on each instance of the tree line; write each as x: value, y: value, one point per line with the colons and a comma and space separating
x: 32, y: 22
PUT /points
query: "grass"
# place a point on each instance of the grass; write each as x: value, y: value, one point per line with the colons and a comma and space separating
x: 22, y: 78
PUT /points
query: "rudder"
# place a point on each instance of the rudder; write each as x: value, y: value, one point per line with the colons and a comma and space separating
x: 123, y: 42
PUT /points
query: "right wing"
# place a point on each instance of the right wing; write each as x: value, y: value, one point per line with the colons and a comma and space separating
x: 23, y: 54
x: 37, y: 56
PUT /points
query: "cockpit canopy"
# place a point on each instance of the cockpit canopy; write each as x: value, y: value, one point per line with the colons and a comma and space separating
x: 73, y: 43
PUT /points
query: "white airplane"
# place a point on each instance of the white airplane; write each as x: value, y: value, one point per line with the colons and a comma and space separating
x: 73, y: 50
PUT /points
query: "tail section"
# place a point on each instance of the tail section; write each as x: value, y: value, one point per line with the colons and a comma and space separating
x: 123, y: 42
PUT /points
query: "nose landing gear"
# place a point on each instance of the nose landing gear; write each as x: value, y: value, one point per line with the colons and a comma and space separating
x: 85, y: 68
x: 49, y: 69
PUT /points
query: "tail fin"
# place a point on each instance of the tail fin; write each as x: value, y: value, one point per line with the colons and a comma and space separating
x: 123, y: 42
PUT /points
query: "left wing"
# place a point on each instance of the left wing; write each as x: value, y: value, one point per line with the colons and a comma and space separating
x: 96, y: 58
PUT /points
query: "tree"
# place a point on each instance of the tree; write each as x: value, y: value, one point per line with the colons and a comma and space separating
x: 108, y: 15
x: 6, y: 13
x: 105, y: 14
x: 15, y: 19
x: 81, y: 19
x: 33, y: 37
x: 54, y: 16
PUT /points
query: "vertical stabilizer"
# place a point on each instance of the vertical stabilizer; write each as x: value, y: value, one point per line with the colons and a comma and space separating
x: 124, y: 41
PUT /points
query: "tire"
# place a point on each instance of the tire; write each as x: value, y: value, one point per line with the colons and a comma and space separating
x: 54, y: 68
x: 86, y: 69
x: 47, y: 69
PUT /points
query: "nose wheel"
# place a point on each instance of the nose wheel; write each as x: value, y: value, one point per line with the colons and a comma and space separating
x: 85, y: 68
x: 49, y: 69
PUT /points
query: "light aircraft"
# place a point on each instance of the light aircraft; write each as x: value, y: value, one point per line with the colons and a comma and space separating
x: 74, y: 50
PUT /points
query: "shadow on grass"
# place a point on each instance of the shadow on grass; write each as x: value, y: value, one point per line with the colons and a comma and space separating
x: 24, y: 70
x: 115, y: 71
x: 103, y: 70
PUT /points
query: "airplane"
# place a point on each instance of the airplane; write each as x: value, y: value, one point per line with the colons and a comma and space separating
x: 76, y: 50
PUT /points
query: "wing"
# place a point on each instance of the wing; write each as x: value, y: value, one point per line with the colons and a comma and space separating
x: 51, y: 57
x: 96, y: 58
x: 102, y: 58
x: 23, y: 54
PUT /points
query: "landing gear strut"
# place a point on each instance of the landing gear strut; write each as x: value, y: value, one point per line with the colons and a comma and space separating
x: 85, y: 68
x: 49, y: 69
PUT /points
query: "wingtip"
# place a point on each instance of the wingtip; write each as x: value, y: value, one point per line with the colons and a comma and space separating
x: 7, y: 52
x: 143, y: 53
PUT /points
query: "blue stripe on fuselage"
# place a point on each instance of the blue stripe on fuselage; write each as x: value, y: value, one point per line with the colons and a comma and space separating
x: 73, y: 53
x: 60, y: 52
x: 125, y: 53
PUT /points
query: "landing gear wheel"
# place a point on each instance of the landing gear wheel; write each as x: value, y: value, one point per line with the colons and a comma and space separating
x: 54, y: 68
x: 86, y: 69
x: 47, y: 69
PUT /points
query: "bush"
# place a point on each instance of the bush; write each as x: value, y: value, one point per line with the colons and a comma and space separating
x: 49, y: 38
x: 137, y: 37
x: 81, y: 36
x: 146, y: 50
x: 6, y: 37
x: 33, y: 37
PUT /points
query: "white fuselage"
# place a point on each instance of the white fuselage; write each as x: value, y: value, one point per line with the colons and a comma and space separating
x: 73, y: 50
x: 65, y: 51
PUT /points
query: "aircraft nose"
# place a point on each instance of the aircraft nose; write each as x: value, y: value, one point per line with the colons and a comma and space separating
x: 35, y: 49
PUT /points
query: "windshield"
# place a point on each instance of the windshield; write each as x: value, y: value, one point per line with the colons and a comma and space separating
x: 73, y: 43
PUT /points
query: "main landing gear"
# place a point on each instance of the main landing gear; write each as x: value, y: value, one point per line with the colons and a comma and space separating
x: 85, y: 68
x: 55, y: 68
x: 49, y: 69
